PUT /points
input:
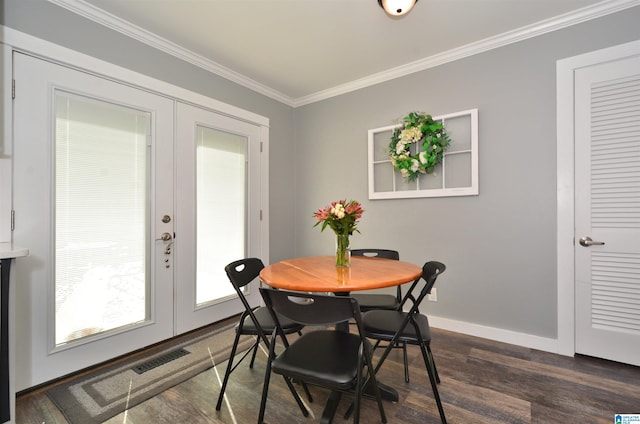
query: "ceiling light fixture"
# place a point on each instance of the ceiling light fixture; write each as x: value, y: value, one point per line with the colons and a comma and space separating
x: 397, y: 7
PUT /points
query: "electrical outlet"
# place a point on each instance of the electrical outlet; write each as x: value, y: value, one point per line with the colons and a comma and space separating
x: 433, y: 296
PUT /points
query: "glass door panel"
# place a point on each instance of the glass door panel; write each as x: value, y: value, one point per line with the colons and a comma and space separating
x: 218, y: 209
x: 101, y: 216
x: 221, y: 214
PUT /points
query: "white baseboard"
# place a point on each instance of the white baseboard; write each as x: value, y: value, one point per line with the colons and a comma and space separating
x: 497, y: 334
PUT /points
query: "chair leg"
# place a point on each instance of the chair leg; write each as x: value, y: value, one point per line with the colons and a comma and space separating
x: 228, y: 371
x: 371, y: 379
x: 296, y: 396
x: 383, y: 416
x: 433, y: 362
x: 358, y: 394
x: 360, y: 387
x: 406, y: 362
x: 349, y: 411
x: 267, y: 378
x: 434, y: 385
x: 255, y: 351
x: 385, y: 353
x: 351, y: 407
x: 375, y: 346
x: 306, y: 390
x: 383, y: 357
x: 265, y: 390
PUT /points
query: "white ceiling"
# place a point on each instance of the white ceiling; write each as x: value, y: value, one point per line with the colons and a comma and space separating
x: 300, y: 50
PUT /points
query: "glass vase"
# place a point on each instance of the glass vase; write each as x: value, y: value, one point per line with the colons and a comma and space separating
x: 343, y: 254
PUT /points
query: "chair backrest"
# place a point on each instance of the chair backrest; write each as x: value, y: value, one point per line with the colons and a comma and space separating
x: 311, y: 309
x: 376, y: 253
x: 380, y: 253
x: 241, y: 273
x: 430, y: 272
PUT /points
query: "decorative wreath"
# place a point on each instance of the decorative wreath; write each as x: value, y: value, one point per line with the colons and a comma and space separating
x: 418, y: 127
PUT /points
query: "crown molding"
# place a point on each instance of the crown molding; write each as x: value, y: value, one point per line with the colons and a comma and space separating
x: 28, y: 44
x: 108, y: 20
x: 124, y: 27
x: 558, y: 22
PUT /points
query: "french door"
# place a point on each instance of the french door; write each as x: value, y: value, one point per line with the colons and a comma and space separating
x: 218, y: 210
x: 117, y: 194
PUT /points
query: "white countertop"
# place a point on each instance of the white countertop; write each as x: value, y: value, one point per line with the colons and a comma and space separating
x: 9, y: 250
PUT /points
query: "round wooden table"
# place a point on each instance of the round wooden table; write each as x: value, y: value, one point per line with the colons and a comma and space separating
x: 320, y: 274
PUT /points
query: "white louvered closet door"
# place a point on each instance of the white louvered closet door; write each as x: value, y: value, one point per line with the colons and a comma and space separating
x: 607, y: 202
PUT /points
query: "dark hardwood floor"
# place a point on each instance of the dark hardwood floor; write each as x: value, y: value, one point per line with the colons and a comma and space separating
x: 482, y: 381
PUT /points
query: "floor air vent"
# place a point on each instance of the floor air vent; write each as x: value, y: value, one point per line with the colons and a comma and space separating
x: 160, y: 360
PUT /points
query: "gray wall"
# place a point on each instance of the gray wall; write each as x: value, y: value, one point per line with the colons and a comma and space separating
x: 500, y: 246
x: 49, y: 22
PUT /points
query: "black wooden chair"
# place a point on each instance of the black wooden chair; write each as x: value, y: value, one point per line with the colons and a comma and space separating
x: 410, y: 327
x: 329, y: 358
x: 253, y: 321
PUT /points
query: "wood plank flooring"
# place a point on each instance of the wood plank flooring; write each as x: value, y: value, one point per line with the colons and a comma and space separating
x: 482, y: 381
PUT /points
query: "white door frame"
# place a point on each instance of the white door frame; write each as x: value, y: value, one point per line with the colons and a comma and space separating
x: 565, y: 70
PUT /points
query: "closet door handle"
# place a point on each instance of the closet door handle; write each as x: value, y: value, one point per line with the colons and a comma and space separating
x: 586, y: 241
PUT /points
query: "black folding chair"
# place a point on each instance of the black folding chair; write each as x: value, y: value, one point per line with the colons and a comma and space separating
x: 253, y: 321
x: 328, y: 358
x: 408, y: 327
x: 368, y: 301
x: 371, y: 301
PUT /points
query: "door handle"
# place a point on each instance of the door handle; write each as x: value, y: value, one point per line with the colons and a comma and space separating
x: 165, y: 237
x: 586, y: 241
